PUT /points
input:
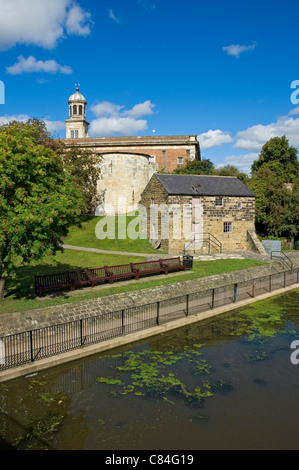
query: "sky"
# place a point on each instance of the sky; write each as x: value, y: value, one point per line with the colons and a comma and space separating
x: 225, y: 71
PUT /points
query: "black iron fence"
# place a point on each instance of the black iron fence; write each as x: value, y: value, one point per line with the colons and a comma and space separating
x: 30, y: 346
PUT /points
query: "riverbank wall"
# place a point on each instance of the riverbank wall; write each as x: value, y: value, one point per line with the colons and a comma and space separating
x: 12, y: 323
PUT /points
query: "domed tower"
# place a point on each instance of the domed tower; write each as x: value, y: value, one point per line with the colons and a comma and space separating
x: 76, y: 124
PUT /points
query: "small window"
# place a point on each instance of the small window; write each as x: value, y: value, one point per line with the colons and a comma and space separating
x: 227, y: 227
x: 75, y: 109
x: 76, y: 134
x: 219, y: 201
x: 180, y: 160
x: 80, y: 110
x: 188, y: 155
x: 152, y: 201
x: 72, y: 134
x: 239, y: 205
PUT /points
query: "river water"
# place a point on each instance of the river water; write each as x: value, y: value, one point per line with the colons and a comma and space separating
x: 225, y: 383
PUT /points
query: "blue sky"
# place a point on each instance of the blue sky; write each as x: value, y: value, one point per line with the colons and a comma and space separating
x: 221, y: 70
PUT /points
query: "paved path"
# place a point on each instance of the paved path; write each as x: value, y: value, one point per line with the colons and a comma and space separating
x: 128, y: 253
x: 204, y: 257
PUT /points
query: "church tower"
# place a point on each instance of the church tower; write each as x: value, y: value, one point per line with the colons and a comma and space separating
x: 76, y: 124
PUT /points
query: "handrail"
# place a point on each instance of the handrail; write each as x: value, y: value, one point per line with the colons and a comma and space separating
x: 211, y: 239
x: 286, y: 259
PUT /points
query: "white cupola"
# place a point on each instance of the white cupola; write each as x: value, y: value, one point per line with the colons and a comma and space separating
x: 76, y: 124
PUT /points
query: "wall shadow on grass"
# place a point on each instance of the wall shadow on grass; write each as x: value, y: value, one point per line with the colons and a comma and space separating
x: 22, y: 285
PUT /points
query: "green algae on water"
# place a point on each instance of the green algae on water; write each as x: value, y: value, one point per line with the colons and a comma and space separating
x: 146, y: 373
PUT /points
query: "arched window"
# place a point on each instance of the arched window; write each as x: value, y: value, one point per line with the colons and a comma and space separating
x: 80, y: 109
x: 70, y: 110
x: 75, y: 109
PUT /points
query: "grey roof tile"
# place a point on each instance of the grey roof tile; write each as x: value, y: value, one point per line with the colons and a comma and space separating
x: 194, y: 185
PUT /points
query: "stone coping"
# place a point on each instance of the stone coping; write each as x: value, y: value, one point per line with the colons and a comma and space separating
x: 11, y: 323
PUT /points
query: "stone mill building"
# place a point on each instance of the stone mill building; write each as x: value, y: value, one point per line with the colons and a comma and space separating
x: 202, y: 214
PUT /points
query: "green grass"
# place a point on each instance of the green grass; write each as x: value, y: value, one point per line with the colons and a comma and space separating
x: 86, y: 236
x: 19, y: 292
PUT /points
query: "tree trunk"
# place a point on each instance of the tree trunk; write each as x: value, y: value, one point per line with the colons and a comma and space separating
x: 2, y: 284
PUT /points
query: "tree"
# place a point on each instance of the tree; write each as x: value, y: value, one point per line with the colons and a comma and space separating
x: 280, y: 158
x: 196, y: 167
x: 231, y: 170
x: 83, y: 165
x: 277, y: 207
x: 39, y: 199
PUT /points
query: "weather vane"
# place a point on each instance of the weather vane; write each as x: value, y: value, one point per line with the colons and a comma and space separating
x: 77, y: 85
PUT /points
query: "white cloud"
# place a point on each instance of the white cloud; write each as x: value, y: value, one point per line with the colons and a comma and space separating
x: 146, y: 4
x: 236, y: 49
x: 255, y: 137
x: 113, y: 17
x: 113, y: 118
x: 78, y: 21
x: 16, y: 117
x: 242, y: 162
x: 106, y: 108
x: 52, y: 126
x: 294, y: 111
x: 122, y: 125
x: 32, y: 65
x: 214, y: 138
x: 41, y: 81
x: 41, y: 22
x: 141, y: 109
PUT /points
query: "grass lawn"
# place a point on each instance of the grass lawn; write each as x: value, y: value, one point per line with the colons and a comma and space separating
x: 19, y: 292
x: 85, y: 236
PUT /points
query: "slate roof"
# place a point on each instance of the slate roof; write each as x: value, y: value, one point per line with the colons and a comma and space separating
x: 194, y: 185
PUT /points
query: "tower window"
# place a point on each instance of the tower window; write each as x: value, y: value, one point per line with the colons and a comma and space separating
x: 72, y: 134
x: 80, y: 109
x: 75, y: 109
x: 70, y: 110
x: 76, y: 134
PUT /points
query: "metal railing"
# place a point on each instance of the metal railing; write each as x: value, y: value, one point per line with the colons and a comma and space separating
x: 202, y: 238
x: 284, y: 258
x: 30, y: 346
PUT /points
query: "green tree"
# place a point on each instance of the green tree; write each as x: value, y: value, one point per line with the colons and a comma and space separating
x: 277, y: 207
x: 196, y: 167
x: 83, y: 165
x: 280, y: 158
x: 39, y: 200
x: 231, y: 170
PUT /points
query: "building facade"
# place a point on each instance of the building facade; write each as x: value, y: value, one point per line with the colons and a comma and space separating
x: 127, y: 163
x: 199, y: 214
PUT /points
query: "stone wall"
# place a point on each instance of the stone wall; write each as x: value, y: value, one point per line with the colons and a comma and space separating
x: 179, y: 216
x: 162, y: 150
x: 43, y: 317
x: 242, y: 218
x: 154, y: 193
x: 122, y: 179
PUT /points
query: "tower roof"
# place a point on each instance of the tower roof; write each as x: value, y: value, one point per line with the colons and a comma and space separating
x: 77, y: 96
